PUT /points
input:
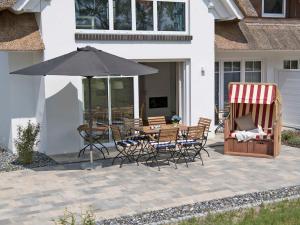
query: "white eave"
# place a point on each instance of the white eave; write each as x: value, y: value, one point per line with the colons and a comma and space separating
x: 224, y: 10
x: 23, y: 6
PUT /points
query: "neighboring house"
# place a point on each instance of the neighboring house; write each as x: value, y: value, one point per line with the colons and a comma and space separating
x: 263, y: 46
x: 175, y: 36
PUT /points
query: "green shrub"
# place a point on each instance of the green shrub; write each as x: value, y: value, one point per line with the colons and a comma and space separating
x: 69, y: 218
x: 27, y: 139
x: 295, y: 141
x: 287, y: 135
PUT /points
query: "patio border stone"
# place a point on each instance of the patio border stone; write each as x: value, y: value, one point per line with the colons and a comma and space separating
x: 183, y: 212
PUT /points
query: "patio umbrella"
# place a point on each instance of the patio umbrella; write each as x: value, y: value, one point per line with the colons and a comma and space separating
x: 88, y: 62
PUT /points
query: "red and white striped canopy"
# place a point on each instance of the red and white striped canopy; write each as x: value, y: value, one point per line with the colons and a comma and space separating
x: 252, y: 93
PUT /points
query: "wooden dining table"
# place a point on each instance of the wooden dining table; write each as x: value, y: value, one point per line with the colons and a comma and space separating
x: 152, y: 130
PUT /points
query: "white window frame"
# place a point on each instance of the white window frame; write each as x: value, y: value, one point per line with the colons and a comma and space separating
x: 133, y: 21
x: 242, y: 71
x: 255, y: 71
x: 290, y: 61
x: 274, y: 15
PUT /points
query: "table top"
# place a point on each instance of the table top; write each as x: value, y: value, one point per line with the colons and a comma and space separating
x: 155, y: 130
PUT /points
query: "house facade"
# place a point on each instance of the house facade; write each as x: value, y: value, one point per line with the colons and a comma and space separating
x: 262, y: 46
x: 193, y: 43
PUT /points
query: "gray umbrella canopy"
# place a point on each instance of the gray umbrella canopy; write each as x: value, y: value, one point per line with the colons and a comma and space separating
x: 87, y: 61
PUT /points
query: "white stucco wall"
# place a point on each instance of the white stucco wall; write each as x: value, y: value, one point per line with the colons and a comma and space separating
x: 271, y: 60
x: 20, y: 95
x: 63, y: 104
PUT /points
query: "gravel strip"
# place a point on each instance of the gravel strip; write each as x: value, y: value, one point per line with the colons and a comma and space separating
x: 171, y: 215
x: 9, y: 161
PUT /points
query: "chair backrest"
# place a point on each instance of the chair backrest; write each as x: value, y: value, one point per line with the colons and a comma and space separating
x: 168, y: 135
x: 195, y: 132
x: 116, y: 133
x: 157, y: 120
x: 206, y: 123
x: 129, y: 124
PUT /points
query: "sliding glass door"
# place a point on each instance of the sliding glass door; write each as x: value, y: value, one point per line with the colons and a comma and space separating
x: 112, y: 100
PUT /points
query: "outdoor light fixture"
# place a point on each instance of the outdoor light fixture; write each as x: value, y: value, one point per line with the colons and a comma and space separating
x: 202, y: 71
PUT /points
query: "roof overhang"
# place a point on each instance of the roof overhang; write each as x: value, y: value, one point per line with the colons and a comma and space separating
x: 19, y: 32
x: 6, y: 4
x: 258, y: 34
x: 224, y: 10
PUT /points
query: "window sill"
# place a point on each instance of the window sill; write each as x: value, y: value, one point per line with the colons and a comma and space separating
x: 131, y: 37
x: 273, y: 15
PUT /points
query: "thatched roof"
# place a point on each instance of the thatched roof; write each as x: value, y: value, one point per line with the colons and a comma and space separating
x: 247, y: 8
x: 5, y: 4
x: 19, y: 32
x: 258, y: 34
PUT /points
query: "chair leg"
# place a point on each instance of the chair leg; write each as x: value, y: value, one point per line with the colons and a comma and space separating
x: 116, y: 157
x: 100, y: 150
x: 82, y: 151
x: 181, y: 154
x: 206, y: 151
x: 173, y: 152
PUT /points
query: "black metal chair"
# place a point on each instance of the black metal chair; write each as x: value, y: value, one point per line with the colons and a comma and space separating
x: 193, y: 141
x: 165, y: 144
x: 126, y: 147
x: 97, y: 135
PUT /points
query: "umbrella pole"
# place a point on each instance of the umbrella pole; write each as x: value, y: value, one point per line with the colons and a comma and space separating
x: 90, y: 120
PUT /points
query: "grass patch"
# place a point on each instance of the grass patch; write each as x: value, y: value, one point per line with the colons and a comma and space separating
x: 282, y: 213
x: 291, y: 138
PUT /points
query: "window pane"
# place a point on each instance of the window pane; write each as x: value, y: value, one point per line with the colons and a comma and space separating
x: 144, y: 15
x: 249, y: 66
x: 99, y: 88
x: 236, y: 66
x: 273, y: 6
x: 122, y: 14
x: 230, y: 77
x: 121, y: 99
x: 171, y: 16
x: 294, y: 64
x: 92, y: 14
x: 253, y: 76
x: 227, y: 66
x: 287, y: 64
x: 257, y: 65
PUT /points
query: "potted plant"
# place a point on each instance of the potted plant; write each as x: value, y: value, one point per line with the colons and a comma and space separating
x: 27, y: 139
x: 175, y: 120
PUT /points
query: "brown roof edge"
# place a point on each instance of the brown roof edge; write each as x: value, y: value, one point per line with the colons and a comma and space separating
x: 258, y: 34
x: 19, y: 32
x: 228, y: 36
x: 6, y: 4
x: 247, y: 8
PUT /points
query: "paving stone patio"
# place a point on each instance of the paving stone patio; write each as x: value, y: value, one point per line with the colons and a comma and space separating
x: 37, y: 196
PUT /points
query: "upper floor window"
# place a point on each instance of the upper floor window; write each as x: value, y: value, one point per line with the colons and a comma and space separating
x: 122, y: 15
x: 171, y: 16
x: 92, y: 14
x: 273, y: 8
x: 163, y: 16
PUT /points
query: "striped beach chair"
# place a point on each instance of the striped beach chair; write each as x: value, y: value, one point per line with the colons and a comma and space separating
x: 263, y: 103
